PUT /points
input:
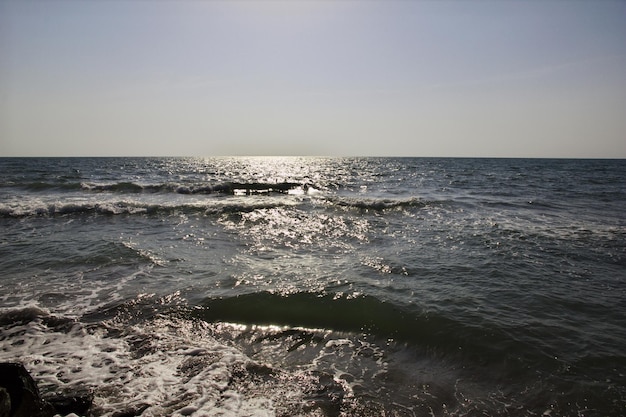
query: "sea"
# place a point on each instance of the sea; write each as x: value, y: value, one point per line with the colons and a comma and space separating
x: 306, y: 286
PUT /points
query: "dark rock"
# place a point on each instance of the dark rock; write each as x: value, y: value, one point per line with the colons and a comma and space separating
x: 77, y: 403
x: 19, y: 396
x: 5, y: 403
x: 59, y: 324
x: 23, y: 393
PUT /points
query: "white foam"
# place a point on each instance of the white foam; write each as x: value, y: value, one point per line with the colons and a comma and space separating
x: 168, y: 367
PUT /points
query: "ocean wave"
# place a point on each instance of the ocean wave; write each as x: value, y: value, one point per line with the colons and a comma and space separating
x: 10, y: 317
x: 369, y: 315
x: 23, y: 314
x: 62, y: 209
x: 40, y: 186
x: 251, y: 188
x: 134, y: 360
x: 163, y: 365
x: 128, y: 370
x: 378, y: 204
x: 124, y: 207
x: 236, y: 203
x: 130, y: 187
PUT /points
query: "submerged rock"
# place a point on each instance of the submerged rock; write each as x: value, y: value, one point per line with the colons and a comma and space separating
x: 132, y: 411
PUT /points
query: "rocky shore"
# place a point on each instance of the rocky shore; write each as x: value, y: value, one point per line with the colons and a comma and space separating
x: 20, y: 397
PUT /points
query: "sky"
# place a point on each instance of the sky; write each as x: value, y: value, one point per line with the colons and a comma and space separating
x: 329, y: 78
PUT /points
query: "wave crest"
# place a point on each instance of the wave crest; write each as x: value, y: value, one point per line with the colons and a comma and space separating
x: 378, y: 204
x: 122, y: 207
x: 129, y: 187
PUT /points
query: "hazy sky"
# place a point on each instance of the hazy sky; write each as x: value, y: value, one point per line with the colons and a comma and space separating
x: 404, y: 78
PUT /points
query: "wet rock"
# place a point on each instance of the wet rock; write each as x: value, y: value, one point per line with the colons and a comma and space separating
x: 59, y: 324
x: 77, y: 403
x: 19, y: 396
x: 23, y: 394
x: 5, y: 403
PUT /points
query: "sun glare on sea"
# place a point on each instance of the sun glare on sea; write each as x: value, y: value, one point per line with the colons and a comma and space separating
x: 297, y: 174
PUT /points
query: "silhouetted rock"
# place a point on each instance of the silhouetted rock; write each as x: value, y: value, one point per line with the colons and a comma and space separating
x: 19, y: 396
x: 23, y: 394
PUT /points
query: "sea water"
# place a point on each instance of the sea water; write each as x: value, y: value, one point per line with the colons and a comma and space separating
x: 318, y: 286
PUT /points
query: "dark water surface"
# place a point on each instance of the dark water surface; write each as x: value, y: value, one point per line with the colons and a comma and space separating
x: 318, y: 286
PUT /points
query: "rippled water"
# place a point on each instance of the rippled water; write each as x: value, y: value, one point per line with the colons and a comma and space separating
x: 318, y: 286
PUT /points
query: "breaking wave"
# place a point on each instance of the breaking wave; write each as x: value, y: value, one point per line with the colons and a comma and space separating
x: 366, y: 314
x: 129, y: 187
x: 123, y: 207
x: 376, y: 204
x: 238, y: 203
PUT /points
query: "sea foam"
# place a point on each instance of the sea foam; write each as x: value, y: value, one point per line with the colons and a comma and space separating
x: 163, y: 367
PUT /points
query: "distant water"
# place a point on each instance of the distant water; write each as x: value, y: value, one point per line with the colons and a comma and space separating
x: 318, y: 286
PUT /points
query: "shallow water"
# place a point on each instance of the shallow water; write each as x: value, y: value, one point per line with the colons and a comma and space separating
x: 318, y: 286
